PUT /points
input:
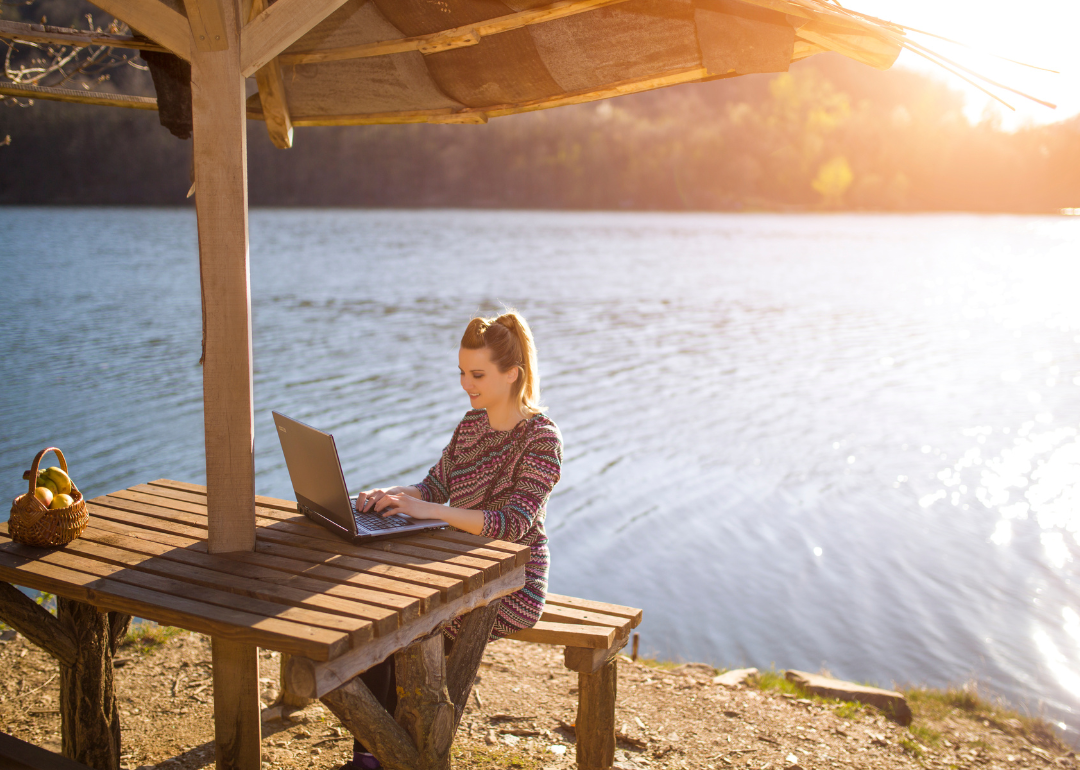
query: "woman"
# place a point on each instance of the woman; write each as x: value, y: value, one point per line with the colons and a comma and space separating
x: 493, y: 479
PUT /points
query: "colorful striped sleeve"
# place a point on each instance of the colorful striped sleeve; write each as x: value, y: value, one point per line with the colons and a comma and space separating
x: 537, y: 474
x: 435, y: 488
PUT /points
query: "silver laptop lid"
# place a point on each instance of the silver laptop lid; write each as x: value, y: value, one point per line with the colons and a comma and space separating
x: 315, y: 470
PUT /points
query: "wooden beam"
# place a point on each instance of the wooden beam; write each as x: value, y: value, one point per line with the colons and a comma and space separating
x: 275, y: 106
x: 220, y: 150
x: 457, y: 37
x: 76, y: 38
x: 220, y: 160
x: 78, y: 97
x: 237, y: 711
x: 278, y: 27
x: 155, y: 20
x: 36, y: 623
x: 207, y: 20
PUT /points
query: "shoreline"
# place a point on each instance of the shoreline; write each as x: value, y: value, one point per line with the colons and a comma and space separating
x: 522, y: 711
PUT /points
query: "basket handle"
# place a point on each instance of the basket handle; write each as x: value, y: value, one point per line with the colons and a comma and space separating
x: 37, y: 461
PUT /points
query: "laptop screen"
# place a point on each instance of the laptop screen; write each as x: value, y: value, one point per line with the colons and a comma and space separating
x: 315, y: 469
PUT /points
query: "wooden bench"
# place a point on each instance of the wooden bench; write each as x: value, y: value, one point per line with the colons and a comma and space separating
x: 592, y: 634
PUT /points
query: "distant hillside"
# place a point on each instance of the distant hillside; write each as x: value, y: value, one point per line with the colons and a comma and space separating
x: 829, y: 134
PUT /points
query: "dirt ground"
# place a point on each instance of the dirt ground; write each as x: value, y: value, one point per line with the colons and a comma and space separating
x: 521, y: 715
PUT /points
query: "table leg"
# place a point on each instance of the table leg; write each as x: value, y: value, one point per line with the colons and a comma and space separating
x: 237, y: 715
x: 90, y: 718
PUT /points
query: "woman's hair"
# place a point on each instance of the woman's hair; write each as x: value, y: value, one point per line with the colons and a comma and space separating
x: 510, y: 342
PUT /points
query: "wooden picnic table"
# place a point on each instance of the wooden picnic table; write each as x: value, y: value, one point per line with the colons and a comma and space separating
x: 334, y: 608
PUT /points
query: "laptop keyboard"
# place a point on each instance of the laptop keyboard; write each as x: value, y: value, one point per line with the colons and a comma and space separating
x: 372, y: 521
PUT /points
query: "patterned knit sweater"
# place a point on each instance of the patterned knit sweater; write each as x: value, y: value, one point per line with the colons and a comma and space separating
x: 508, y: 475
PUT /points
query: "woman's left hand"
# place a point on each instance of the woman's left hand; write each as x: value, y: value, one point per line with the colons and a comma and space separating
x: 410, y: 506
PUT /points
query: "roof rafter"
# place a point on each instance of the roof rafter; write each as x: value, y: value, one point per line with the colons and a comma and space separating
x: 278, y: 27
x: 155, y: 20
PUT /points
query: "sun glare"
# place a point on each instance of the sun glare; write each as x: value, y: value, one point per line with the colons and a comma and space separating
x: 1041, y: 33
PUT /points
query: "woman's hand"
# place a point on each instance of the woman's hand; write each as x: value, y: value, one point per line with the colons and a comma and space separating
x: 392, y: 502
x: 366, y: 501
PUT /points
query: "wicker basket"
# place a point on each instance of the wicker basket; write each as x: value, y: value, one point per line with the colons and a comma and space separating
x: 34, y: 524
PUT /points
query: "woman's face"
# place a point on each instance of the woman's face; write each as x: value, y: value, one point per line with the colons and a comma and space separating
x: 485, y: 385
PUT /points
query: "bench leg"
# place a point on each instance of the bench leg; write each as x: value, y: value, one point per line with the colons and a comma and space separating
x: 90, y: 718
x: 595, y: 726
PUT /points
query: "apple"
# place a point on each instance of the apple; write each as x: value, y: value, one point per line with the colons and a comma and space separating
x: 45, y: 495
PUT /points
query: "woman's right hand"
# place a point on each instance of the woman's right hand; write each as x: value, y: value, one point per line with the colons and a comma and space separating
x: 365, y: 501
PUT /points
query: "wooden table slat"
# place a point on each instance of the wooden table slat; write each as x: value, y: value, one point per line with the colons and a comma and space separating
x: 232, y: 624
x: 390, y: 577
x: 286, y: 510
x: 408, y: 607
x: 83, y: 557
x: 313, y: 536
x: 112, y: 534
x: 369, y: 619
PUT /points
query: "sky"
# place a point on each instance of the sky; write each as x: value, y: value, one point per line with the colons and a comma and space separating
x: 1039, y: 32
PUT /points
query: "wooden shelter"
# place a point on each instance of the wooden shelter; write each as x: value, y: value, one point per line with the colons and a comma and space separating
x: 355, y: 62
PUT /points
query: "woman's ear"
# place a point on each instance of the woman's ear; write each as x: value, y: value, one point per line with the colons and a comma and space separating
x: 512, y: 374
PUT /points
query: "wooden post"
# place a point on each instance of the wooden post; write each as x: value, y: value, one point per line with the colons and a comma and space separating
x: 424, y: 706
x: 595, y: 725
x: 90, y: 719
x: 220, y: 161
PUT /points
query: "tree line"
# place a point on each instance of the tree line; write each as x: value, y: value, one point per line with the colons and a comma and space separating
x: 830, y: 134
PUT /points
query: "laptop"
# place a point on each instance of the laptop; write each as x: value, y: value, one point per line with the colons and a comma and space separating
x: 321, y: 493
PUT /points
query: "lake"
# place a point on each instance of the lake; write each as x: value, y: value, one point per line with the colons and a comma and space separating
x: 810, y: 441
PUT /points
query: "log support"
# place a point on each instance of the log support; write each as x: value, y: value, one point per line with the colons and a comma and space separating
x: 287, y: 697
x: 83, y: 639
x: 90, y: 719
x: 432, y: 690
x: 465, y: 658
x: 424, y: 706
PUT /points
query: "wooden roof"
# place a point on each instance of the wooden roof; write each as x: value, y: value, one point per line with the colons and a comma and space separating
x: 356, y: 62
x: 465, y: 61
